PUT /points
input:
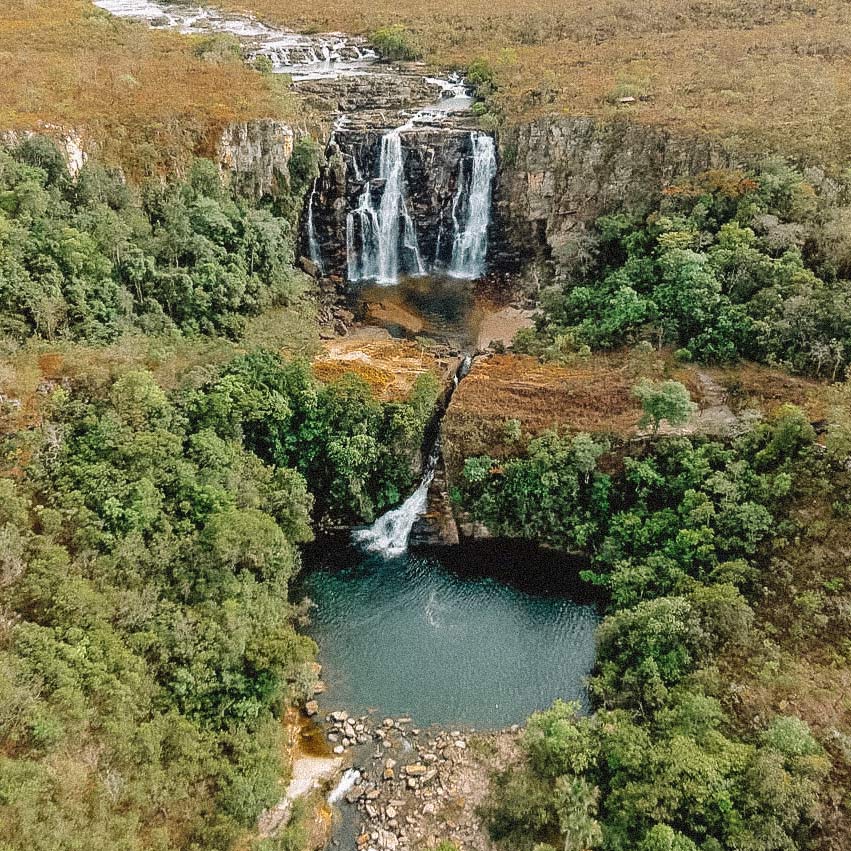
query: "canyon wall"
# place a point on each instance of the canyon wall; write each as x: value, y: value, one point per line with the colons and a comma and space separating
x: 558, y: 174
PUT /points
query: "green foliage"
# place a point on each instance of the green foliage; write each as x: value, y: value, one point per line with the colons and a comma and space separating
x: 396, y: 43
x: 90, y: 258
x: 659, y: 766
x: 149, y: 644
x: 718, y: 271
x: 356, y: 452
x: 555, y: 494
x: 679, y: 785
x: 664, y: 400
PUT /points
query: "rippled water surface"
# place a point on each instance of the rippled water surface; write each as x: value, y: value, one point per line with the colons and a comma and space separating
x: 482, y: 637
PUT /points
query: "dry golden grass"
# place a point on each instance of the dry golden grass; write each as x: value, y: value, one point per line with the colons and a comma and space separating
x: 752, y: 385
x: 596, y: 396
x: 143, y: 95
x: 765, y: 72
x: 389, y: 366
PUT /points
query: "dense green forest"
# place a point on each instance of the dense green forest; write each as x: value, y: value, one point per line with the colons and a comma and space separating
x: 91, y: 257
x: 150, y: 529
x: 147, y: 644
x: 731, y: 265
x: 685, y: 537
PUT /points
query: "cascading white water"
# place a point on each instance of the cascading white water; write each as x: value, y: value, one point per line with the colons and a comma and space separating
x: 347, y: 781
x: 312, y: 244
x: 389, y: 534
x: 384, y: 243
x: 471, y: 210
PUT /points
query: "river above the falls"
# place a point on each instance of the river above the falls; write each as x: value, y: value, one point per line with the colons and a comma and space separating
x: 477, y: 636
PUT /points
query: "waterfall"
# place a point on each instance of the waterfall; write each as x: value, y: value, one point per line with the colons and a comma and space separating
x: 312, y: 245
x: 390, y: 533
x: 350, y: 777
x: 382, y: 242
x: 471, y: 210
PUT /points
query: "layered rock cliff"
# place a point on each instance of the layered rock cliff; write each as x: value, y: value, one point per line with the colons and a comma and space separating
x: 558, y: 174
x: 254, y: 155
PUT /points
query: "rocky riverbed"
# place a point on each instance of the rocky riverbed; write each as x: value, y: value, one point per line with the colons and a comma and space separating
x: 409, y: 788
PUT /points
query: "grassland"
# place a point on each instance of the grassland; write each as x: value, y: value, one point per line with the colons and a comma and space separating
x: 595, y: 395
x: 764, y: 74
x: 144, y: 96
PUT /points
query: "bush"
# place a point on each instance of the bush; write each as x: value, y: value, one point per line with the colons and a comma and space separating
x: 396, y: 43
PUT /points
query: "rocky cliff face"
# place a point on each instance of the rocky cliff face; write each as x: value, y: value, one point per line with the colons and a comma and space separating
x: 557, y: 175
x: 255, y: 155
x: 431, y: 159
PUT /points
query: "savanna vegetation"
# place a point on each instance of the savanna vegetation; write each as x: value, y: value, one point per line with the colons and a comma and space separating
x: 146, y: 99
x: 758, y: 74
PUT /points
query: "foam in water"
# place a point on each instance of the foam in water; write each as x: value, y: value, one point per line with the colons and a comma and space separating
x: 390, y: 533
x: 304, y: 57
x: 471, y: 209
x: 381, y: 242
x: 347, y: 781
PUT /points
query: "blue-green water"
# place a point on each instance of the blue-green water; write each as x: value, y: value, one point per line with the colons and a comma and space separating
x: 481, y: 636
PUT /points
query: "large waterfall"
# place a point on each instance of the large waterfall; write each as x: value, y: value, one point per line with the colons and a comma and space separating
x: 382, y: 238
x: 471, y: 210
x: 381, y: 243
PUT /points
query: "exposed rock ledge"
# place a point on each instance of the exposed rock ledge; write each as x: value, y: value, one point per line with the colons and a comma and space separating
x: 558, y: 174
x: 256, y: 155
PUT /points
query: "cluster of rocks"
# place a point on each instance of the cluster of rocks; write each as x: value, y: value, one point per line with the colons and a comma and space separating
x: 410, y: 786
x: 345, y: 732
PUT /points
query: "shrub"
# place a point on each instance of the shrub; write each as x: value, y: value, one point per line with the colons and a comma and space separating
x: 396, y: 43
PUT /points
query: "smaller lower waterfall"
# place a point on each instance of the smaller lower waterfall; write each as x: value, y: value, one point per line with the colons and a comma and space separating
x: 471, y: 210
x: 389, y: 534
x: 313, y: 249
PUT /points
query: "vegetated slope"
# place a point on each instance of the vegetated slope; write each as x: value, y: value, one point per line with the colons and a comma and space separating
x: 721, y: 714
x: 146, y: 97
x: 776, y: 73
x: 155, y: 454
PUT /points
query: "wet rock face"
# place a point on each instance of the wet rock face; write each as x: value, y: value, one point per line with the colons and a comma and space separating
x: 431, y: 168
x: 557, y: 175
x: 255, y: 155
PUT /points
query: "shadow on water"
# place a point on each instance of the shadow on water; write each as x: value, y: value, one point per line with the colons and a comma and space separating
x: 429, y: 306
x: 524, y: 566
x: 479, y: 635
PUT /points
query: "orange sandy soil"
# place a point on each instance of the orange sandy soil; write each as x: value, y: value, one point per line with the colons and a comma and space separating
x: 388, y: 365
